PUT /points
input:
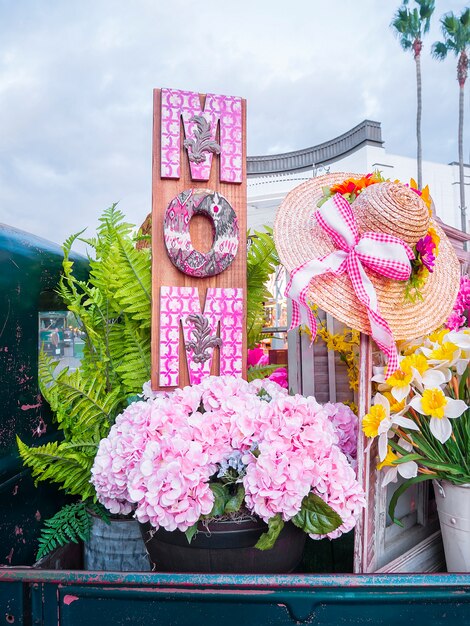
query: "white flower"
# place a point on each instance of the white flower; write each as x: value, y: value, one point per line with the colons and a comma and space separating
x: 439, y: 408
x: 387, y: 422
x: 406, y: 470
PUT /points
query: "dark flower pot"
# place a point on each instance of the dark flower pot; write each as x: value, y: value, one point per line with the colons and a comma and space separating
x: 224, y: 546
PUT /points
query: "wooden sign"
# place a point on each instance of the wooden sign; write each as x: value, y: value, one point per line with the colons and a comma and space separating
x: 198, y: 237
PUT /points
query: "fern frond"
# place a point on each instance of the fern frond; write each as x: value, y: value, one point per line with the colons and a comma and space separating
x: 132, y: 281
x: 71, y: 523
x: 66, y: 464
x: 261, y: 263
x: 260, y: 371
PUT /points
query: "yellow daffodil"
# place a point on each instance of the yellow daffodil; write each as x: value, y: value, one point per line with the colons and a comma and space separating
x: 406, y: 470
x: 371, y: 421
x: 435, y: 404
x: 378, y: 422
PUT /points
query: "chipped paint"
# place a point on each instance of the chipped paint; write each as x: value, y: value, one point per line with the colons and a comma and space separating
x: 15, y: 490
x: 10, y: 556
x: 37, y: 515
x: 68, y: 599
x: 28, y: 407
x: 40, y: 429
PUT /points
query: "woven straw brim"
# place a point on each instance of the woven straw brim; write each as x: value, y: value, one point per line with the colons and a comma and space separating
x: 392, y: 209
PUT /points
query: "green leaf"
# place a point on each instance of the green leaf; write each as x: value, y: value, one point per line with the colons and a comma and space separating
x: 268, y: 539
x: 407, y: 457
x: 221, y: 497
x: 71, y: 523
x: 316, y: 516
x: 261, y: 371
x: 190, y: 532
x: 233, y: 505
x: 401, y: 490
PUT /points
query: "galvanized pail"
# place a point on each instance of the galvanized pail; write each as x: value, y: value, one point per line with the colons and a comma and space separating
x: 453, y: 506
x: 115, y: 547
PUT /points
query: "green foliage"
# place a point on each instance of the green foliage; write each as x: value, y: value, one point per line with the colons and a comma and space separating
x: 261, y: 371
x: 65, y: 463
x: 316, y: 516
x: 269, y: 538
x: 113, y: 310
x: 456, y: 33
x: 261, y: 263
x: 410, y: 25
x: 71, y: 523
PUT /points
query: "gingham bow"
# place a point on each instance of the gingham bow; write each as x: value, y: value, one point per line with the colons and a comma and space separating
x: 384, y: 254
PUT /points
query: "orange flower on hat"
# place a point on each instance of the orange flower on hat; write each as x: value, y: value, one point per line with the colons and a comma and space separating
x: 424, y: 193
x: 356, y: 185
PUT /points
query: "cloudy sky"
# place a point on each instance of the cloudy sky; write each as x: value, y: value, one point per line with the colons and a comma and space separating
x: 76, y: 80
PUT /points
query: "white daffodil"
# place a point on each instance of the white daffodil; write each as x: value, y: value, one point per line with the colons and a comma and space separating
x: 440, y: 409
x: 406, y: 470
x: 387, y: 421
x: 460, y: 338
x: 414, y: 370
x: 444, y: 356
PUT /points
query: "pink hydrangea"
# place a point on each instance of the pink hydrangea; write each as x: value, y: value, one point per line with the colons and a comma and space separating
x: 346, y: 425
x: 459, y: 316
x: 161, y: 455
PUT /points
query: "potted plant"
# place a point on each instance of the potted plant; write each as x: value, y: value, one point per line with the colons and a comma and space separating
x: 112, y: 308
x: 421, y: 417
x: 113, y: 311
x: 231, y: 464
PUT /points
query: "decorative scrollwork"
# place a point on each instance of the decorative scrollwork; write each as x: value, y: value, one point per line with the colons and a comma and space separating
x: 202, y: 339
x: 202, y: 141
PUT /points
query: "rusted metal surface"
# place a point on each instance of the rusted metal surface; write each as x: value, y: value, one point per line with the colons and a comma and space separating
x: 74, y: 597
x: 29, y: 272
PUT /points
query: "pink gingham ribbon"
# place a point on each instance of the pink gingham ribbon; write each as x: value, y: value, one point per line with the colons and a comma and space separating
x: 384, y: 254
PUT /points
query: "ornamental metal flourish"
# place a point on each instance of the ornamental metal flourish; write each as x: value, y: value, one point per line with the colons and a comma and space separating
x: 202, y: 340
x: 202, y: 141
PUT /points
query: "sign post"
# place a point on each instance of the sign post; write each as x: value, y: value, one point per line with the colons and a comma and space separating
x: 198, y: 197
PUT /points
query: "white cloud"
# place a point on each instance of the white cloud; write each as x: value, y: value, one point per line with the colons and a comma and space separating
x: 76, y: 84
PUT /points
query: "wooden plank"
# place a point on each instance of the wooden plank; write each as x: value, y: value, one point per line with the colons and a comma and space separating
x: 164, y: 273
x: 364, y: 538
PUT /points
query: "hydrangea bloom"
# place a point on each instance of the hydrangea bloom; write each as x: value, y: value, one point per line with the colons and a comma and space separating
x: 459, y: 316
x: 162, y: 455
x: 346, y: 425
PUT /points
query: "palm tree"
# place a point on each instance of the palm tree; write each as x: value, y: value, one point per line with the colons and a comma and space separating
x: 456, y: 33
x: 410, y: 26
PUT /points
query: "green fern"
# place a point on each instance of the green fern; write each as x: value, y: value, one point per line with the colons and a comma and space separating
x: 261, y: 264
x: 65, y: 463
x: 72, y: 523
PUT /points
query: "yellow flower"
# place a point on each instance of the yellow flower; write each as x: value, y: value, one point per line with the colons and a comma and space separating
x: 371, y: 421
x: 438, y: 335
x: 434, y: 402
x: 388, y: 460
x: 445, y: 352
x: 416, y: 361
x: 399, y: 378
x: 395, y: 406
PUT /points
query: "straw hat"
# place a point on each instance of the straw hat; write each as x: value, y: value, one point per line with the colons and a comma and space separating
x: 390, y: 208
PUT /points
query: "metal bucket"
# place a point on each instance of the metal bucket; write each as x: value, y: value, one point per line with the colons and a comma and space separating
x: 115, y: 547
x: 453, y: 506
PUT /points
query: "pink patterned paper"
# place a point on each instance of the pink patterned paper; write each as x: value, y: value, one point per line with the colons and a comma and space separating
x: 186, y: 104
x: 224, y: 305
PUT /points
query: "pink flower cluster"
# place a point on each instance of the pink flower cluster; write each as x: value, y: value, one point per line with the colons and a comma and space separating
x: 257, y: 356
x: 161, y: 455
x: 347, y: 426
x: 459, y: 316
